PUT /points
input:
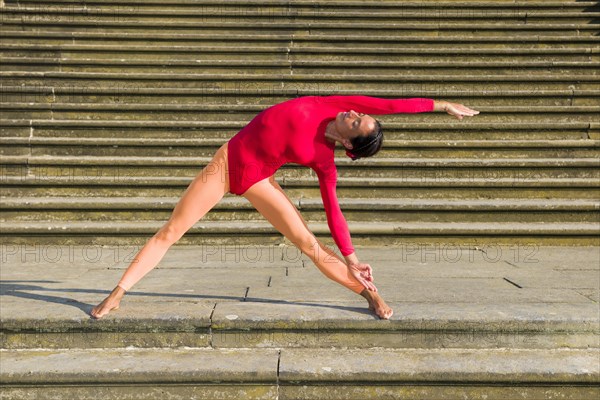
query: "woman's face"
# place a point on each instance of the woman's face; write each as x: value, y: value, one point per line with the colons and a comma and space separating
x: 351, y: 124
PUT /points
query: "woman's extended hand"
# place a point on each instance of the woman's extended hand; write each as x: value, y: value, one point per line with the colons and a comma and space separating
x: 459, y: 110
x: 364, y: 274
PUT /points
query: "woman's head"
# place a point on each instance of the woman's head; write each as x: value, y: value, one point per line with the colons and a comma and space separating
x: 360, y: 133
x: 366, y: 146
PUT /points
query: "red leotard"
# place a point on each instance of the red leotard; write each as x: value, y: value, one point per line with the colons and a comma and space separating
x: 294, y: 131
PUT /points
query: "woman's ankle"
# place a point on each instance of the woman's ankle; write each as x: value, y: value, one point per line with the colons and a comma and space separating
x: 118, y: 291
x: 367, y: 294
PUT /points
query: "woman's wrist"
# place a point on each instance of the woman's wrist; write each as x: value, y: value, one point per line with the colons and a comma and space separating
x: 440, y: 105
x: 351, y: 259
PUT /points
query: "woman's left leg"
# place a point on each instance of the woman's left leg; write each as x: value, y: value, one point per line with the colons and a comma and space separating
x: 202, y: 194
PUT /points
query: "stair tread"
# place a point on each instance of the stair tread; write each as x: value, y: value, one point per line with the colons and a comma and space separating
x: 258, y: 107
x: 374, y: 3
x: 348, y: 203
x: 296, y: 36
x: 340, y: 161
x: 230, y: 124
x: 498, y: 25
x: 451, y: 291
x: 413, y: 143
x: 519, y: 125
x: 186, y: 365
x: 343, y: 182
x: 297, y: 76
x: 73, y: 227
x: 47, y: 89
x: 275, y: 48
x: 341, y: 63
x: 390, y: 12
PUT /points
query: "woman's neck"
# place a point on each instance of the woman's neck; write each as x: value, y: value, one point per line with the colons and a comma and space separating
x: 330, y: 130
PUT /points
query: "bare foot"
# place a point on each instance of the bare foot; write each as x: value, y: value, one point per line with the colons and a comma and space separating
x: 111, y: 302
x: 377, y: 305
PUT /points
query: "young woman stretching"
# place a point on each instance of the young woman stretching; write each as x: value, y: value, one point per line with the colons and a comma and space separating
x: 303, y: 130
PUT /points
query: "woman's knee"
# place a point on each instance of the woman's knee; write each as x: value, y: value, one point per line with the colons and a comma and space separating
x: 305, y: 241
x: 168, y: 234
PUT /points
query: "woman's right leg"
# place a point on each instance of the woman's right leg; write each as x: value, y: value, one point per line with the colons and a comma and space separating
x: 203, y: 193
x: 272, y: 202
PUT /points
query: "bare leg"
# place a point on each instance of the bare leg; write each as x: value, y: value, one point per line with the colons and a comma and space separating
x: 270, y: 200
x: 203, y: 193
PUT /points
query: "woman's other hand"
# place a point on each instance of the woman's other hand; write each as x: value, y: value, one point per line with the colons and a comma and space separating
x: 364, y: 274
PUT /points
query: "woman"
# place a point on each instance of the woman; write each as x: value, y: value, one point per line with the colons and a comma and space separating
x: 303, y: 130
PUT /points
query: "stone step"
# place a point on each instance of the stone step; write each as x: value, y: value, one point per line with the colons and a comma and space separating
x: 223, y: 65
x: 433, y: 184
x: 585, y: 130
x: 127, y: 147
x: 437, y: 171
x: 94, y: 209
x: 370, y: 5
x: 300, y: 373
x: 224, y: 130
x: 379, y: 9
x: 313, y: 82
x: 264, y: 98
x: 250, y: 14
x: 245, y: 112
x: 291, y: 40
x: 481, y: 28
x: 250, y: 296
x: 561, y: 64
x: 262, y: 232
x: 302, y: 11
x: 70, y: 52
x: 380, y: 171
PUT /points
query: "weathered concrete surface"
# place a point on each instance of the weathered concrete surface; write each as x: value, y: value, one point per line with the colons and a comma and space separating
x: 223, y: 297
x: 421, y: 325
x: 318, y: 373
x: 300, y: 365
x: 447, y: 365
x: 60, y: 323
x: 179, y: 391
x: 131, y: 365
x: 349, y: 391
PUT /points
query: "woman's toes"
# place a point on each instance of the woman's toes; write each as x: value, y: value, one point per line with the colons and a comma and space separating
x: 101, y: 310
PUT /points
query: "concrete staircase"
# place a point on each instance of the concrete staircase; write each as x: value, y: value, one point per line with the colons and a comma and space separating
x: 110, y: 107
x: 225, y: 324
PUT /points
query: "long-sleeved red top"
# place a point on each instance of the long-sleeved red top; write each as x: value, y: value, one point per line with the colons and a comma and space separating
x: 294, y: 131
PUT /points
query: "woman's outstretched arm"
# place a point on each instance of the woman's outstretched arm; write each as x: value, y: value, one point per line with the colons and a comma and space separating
x: 381, y: 106
x: 338, y: 226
